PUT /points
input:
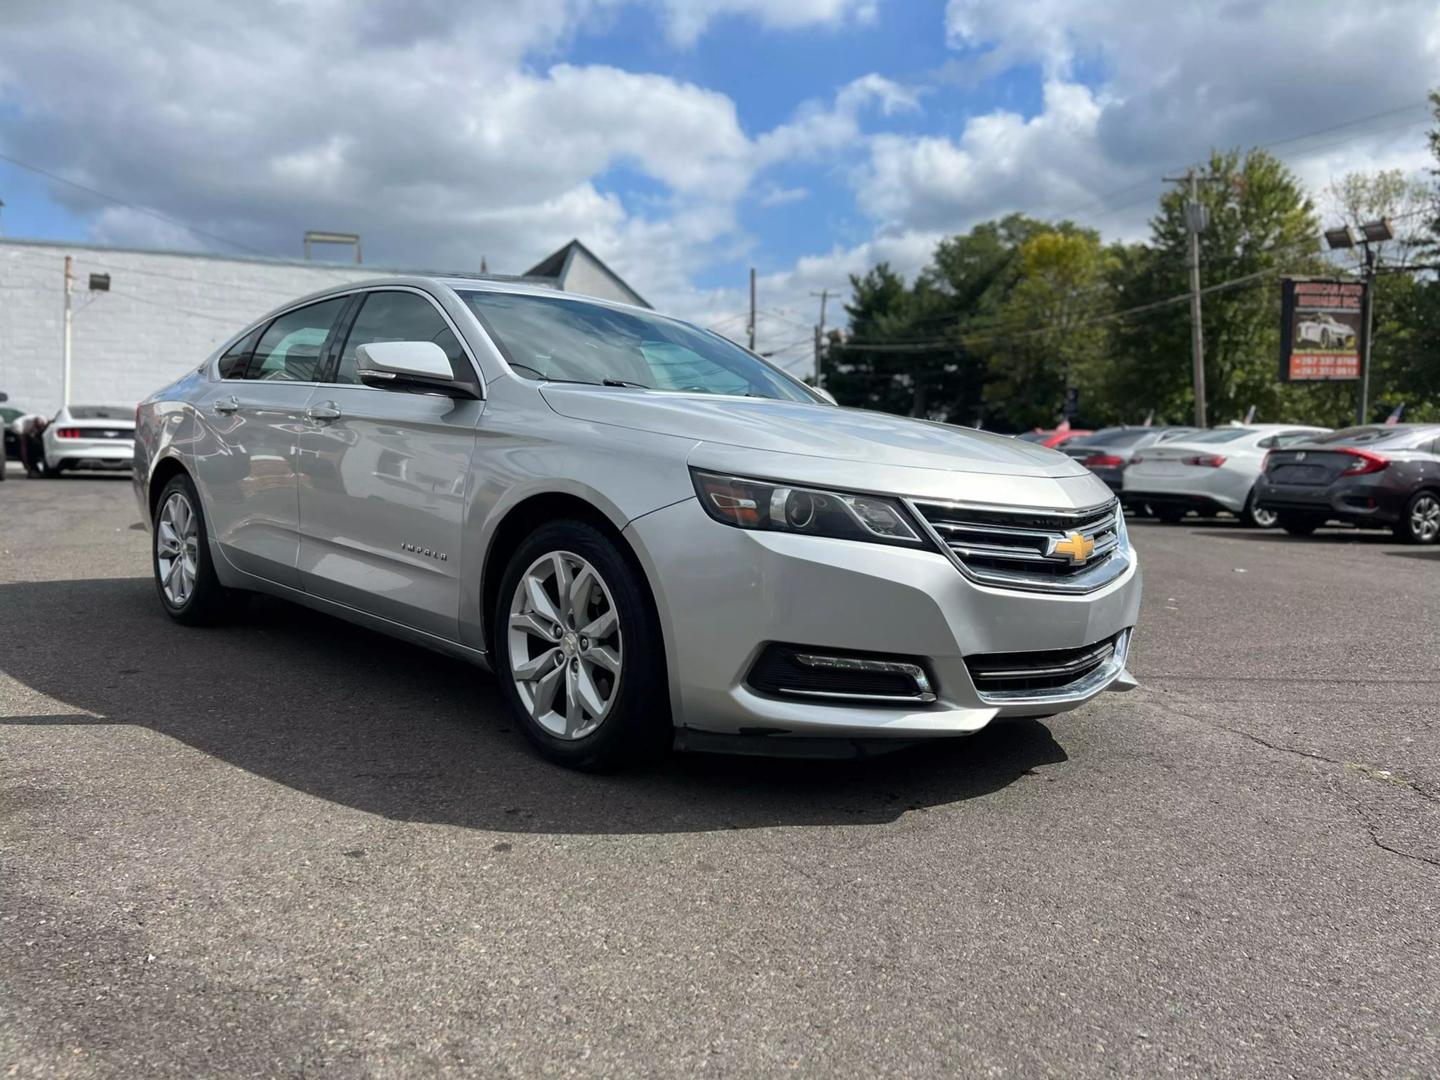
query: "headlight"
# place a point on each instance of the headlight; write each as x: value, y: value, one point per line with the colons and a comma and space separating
x: 773, y: 507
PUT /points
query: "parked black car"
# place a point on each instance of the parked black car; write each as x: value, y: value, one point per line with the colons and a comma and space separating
x: 1106, y: 452
x: 1385, y: 475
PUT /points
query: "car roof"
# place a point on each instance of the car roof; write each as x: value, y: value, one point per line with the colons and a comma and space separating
x: 455, y: 283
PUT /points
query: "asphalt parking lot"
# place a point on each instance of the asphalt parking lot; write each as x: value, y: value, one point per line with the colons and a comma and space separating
x: 293, y: 847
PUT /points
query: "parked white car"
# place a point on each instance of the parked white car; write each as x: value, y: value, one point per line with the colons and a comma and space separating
x: 1213, y: 471
x: 90, y: 437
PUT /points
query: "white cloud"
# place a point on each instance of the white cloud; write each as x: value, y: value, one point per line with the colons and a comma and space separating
x: 775, y: 195
x: 1132, y: 92
x: 821, y: 128
x: 686, y: 20
x: 1041, y: 163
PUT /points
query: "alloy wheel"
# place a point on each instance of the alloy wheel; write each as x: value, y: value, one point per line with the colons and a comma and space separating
x: 565, y: 645
x: 1425, y: 519
x: 177, y: 547
x: 1265, y: 519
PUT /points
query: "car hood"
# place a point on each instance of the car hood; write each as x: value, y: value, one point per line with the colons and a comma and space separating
x: 818, y: 431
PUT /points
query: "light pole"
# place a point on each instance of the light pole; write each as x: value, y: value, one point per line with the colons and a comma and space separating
x: 1372, y: 232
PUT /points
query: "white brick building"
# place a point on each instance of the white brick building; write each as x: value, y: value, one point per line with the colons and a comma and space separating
x: 166, y: 311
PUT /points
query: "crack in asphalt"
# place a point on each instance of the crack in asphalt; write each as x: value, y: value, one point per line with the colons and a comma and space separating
x: 1372, y: 830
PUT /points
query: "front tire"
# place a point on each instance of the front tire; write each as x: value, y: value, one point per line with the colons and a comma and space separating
x: 578, y: 650
x: 1420, y: 523
x: 185, y: 579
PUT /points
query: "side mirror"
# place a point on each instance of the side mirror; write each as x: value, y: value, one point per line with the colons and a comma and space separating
x: 4, y: 396
x: 416, y: 366
x: 825, y: 394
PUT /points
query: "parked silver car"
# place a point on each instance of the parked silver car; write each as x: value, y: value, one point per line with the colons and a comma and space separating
x: 653, y: 536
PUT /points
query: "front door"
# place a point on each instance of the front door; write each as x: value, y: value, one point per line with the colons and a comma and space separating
x: 245, y: 458
x: 383, y: 478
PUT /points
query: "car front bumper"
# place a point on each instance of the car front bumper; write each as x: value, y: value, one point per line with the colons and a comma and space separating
x: 724, y: 593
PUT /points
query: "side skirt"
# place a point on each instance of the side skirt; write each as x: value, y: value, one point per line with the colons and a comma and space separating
x: 235, y: 578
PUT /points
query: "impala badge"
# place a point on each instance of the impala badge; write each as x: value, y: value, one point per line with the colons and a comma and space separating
x: 416, y: 549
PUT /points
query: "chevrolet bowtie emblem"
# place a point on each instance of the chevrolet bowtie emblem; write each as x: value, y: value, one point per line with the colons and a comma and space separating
x: 1074, y: 547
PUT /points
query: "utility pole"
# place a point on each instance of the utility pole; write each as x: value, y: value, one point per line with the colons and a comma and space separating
x: 1197, y: 217
x: 69, y: 287
x: 824, y: 295
x: 751, y: 324
x: 1368, y: 298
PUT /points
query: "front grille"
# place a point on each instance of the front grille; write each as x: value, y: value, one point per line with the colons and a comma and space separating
x: 1009, y: 547
x: 1043, y: 673
x: 864, y: 678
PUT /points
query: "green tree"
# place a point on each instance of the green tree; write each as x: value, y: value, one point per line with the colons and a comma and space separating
x: 1048, y: 338
x: 1261, y: 224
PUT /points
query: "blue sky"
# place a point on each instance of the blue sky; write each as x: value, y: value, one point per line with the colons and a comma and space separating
x: 682, y: 140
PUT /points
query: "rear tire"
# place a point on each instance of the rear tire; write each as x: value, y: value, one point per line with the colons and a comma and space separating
x: 1420, y: 523
x: 185, y: 578
x: 1299, y: 524
x: 1256, y: 517
x: 582, y: 666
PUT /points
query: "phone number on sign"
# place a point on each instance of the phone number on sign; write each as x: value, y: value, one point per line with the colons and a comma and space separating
x: 1323, y: 366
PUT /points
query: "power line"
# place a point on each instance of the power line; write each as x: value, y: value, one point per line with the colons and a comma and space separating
x: 129, y: 270
x: 177, y: 310
x: 132, y: 206
x: 1000, y: 330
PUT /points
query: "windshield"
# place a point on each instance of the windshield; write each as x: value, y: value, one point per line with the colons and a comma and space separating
x: 565, y: 340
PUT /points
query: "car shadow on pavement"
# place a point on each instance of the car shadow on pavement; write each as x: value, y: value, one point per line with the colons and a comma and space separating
x: 348, y: 715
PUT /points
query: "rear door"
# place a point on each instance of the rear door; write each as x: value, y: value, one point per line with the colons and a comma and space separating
x: 383, y: 476
x: 245, y: 459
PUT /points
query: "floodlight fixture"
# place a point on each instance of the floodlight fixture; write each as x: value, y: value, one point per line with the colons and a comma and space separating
x: 1343, y: 237
x: 1377, y: 232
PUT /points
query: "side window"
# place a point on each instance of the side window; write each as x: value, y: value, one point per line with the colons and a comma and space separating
x: 232, y: 364
x: 400, y: 316
x: 289, y: 350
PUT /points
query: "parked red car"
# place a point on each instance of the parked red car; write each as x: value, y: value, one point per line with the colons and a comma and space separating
x: 1052, y: 438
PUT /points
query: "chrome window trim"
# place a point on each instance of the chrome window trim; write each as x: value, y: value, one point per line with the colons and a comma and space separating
x: 1109, y: 563
x: 454, y: 329
x: 266, y: 320
x: 1077, y: 691
x: 475, y: 368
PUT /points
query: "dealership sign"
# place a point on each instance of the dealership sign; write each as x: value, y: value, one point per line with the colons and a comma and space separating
x: 1320, y: 329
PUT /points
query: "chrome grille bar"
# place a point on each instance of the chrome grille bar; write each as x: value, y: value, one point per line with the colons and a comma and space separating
x: 1012, y: 548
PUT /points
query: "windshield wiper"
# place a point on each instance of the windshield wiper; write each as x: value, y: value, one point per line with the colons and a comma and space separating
x: 625, y: 382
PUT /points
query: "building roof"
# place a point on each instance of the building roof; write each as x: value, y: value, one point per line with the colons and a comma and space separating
x: 556, y: 267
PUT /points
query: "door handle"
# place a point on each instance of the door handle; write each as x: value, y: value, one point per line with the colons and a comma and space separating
x: 226, y: 405
x: 327, y: 411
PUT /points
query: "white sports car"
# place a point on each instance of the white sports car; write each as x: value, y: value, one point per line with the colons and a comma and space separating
x: 1210, y: 472
x: 90, y: 437
x: 1324, y: 330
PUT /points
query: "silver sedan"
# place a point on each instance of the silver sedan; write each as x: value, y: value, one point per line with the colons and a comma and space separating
x: 654, y: 537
